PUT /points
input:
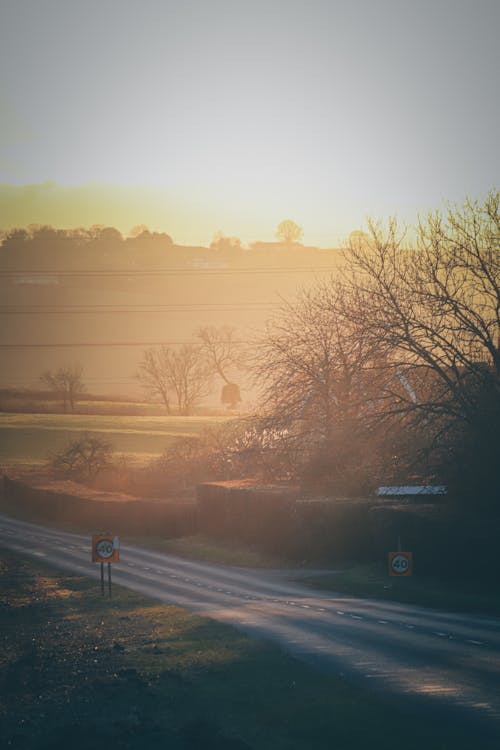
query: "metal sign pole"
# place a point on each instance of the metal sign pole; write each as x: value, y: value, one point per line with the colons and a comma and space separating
x: 105, y: 548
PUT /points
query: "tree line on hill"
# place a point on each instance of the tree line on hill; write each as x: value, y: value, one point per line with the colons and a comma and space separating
x: 47, y: 244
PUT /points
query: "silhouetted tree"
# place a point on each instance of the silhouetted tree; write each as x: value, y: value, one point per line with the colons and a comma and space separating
x: 317, y: 385
x: 190, y: 376
x: 15, y: 237
x: 223, y: 354
x: 154, y: 373
x: 138, y: 230
x: 221, y: 242
x: 288, y: 231
x: 82, y: 458
x: 182, y: 371
x: 434, y: 310
x: 67, y: 381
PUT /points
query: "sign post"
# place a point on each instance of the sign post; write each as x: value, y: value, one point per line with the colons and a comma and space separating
x: 105, y: 548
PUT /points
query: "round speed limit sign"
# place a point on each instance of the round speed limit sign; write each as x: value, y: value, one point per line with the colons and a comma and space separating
x: 105, y: 548
x: 400, y: 563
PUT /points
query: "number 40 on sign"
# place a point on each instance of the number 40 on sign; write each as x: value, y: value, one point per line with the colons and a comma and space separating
x: 400, y: 563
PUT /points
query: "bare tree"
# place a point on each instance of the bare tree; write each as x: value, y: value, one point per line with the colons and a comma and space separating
x: 190, y: 377
x: 433, y: 308
x: 182, y: 372
x: 288, y: 231
x: 316, y: 380
x: 154, y: 373
x: 223, y: 354
x: 82, y: 458
x: 67, y: 381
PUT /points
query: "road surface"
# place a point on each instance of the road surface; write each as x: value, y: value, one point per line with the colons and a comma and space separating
x: 447, y: 665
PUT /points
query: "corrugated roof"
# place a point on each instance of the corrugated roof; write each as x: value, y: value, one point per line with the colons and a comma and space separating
x: 426, y: 489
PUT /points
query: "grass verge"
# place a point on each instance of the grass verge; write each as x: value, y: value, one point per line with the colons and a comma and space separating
x: 223, y: 552
x: 372, y: 580
x: 79, y: 670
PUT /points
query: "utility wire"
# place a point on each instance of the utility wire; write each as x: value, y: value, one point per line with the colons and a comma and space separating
x: 131, y: 309
x: 167, y: 271
x: 38, y: 345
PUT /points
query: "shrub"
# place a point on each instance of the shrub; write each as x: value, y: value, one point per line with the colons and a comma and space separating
x: 82, y: 458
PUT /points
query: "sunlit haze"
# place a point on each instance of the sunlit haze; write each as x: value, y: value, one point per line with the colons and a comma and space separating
x: 193, y: 117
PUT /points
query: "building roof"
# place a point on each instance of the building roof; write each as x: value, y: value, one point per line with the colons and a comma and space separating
x: 425, y: 489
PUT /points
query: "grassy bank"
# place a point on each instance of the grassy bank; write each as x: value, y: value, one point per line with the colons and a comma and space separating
x: 79, y: 670
x: 371, y: 580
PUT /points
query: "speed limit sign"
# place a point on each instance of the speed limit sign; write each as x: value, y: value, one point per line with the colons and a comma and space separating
x: 105, y: 548
x: 400, y: 563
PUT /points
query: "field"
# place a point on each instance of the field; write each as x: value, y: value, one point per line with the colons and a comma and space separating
x: 79, y: 671
x: 29, y: 439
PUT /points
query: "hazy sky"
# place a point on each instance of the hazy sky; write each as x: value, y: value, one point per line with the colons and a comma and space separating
x: 233, y: 115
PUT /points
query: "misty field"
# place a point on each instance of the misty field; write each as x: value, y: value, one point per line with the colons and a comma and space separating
x: 32, y: 438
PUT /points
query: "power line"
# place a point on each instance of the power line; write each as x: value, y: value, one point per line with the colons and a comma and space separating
x: 89, y: 344
x: 167, y: 271
x: 131, y: 309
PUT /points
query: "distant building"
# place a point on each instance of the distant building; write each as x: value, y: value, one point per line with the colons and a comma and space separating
x: 412, y: 492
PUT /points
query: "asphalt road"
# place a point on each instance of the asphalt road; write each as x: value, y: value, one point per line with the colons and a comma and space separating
x: 446, y: 665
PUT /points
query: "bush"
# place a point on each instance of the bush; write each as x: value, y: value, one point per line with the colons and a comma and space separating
x: 82, y: 458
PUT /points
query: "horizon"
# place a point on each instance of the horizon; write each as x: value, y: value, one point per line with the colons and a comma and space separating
x: 195, y: 119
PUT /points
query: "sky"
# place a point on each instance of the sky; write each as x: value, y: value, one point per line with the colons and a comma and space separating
x: 198, y: 116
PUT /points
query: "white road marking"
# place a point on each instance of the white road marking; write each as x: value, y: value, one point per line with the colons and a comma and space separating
x: 475, y: 643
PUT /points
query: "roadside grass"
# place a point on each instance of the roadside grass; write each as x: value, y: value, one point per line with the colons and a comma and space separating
x: 372, y: 580
x: 224, y: 552
x: 30, y: 438
x: 80, y: 670
x: 368, y: 580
